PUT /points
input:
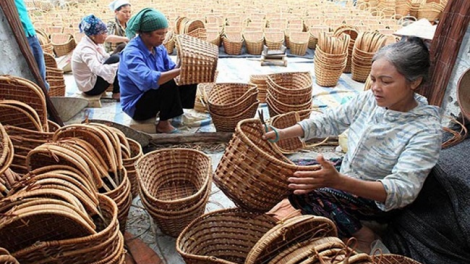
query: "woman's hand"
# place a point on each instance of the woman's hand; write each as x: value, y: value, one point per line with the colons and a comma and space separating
x: 304, y: 182
x: 273, y: 134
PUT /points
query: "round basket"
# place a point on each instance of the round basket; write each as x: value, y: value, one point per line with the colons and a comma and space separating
x: 289, y: 233
x: 172, y: 183
x: 463, y: 94
x: 225, y: 236
x: 198, y: 60
x: 253, y: 172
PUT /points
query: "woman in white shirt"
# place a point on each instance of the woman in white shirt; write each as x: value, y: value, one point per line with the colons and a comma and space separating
x: 94, y: 70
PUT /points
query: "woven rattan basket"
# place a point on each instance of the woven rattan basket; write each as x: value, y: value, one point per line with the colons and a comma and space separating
x: 253, y: 172
x: 224, y: 234
x: 229, y: 99
x: 63, y: 43
x: 289, y: 233
x: 129, y: 163
x: 198, y: 60
x: 393, y: 259
x: 254, y: 42
x: 224, y: 123
x: 174, y: 185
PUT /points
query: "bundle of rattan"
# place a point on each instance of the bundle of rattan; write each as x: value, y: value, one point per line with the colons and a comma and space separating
x: 284, y: 242
x: 253, y: 172
x: 314, y: 32
x: 202, y: 95
x: 63, y: 43
x: 298, y: 42
x: 289, y: 91
x: 365, y: 47
x: 260, y: 81
x: 225, y: 236
x: 330, y: 59
x: 174, y: 186
x: 431, y: 9
x: 233, y: 43
x: 353, y: 33
x: 230, y: 103
x: 254, y: 42
x: 104, y: 159
x: 198, y: 60
x: 54, y: 240
x: 274, y: 39
x: 169, y: 42
x: 23, y: 90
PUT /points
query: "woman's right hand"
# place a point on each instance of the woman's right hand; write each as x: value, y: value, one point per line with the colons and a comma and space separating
x: 272, y: 134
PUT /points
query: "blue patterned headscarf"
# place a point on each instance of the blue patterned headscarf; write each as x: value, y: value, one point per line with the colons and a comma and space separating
x: 92, y: 25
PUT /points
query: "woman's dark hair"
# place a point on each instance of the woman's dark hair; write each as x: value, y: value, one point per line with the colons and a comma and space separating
x: 410, y: 57
x: 119, y: 8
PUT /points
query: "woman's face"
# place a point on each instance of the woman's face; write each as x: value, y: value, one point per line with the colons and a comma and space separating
x: 99, y: 38
x: 390, y: 88
x: 124, y: 14
x: 154, y: 38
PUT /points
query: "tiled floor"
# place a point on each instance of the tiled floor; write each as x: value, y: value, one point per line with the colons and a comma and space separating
x: 230, y: 70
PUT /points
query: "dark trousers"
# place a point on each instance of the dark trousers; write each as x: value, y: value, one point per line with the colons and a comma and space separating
x: 101, y: 85
x: 169, y: 99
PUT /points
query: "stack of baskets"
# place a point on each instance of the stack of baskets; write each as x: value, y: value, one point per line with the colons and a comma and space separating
x: 254, y: 42
x: 260, y: 81
x: 233, y: 43
x: 45, y: 42
x: 365, y: 47
x: 289, y: 91
x: 63, y: 43
x: 331, y: 56
x: 174, y: 186
x: 54, y: 76
x: 230, y: 103
x: 431, y: 9
x: 298, y: 42
x: 353, y: 33
x: 198, y: 59
x: 253, y: 172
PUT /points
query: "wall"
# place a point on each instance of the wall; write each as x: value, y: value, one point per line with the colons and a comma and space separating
x: 12, y: 60
x: 450, y: 105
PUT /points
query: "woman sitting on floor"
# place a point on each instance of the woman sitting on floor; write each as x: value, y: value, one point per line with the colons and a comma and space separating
x: 117, y: 27
x: 146, y: 73
x: 394, y: 141
x: 93, y: 69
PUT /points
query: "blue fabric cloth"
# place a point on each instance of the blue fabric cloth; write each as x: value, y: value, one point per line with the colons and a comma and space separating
x: 139, y: 71
x: 24, y: 17
x: 91, y: 25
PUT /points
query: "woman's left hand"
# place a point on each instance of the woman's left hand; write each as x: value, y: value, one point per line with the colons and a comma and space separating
x: 304, y: 182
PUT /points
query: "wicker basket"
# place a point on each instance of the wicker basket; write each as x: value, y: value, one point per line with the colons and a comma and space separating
x: 225, y: 236
x: 253, y: 172
x: 174, y: 186
x: 198, y: 60
x: 169, y: 42
x: 19, y: 114
x: 254, y: 42
x: 290, y: 233
x: 63, y: 43
x: 233, y: 43
x: 274, y: 40
x: 229, y: 123
x: 129, y: 163
x: 298, y: 43
x: 393, y: 259
x: 106, y: 246
x: 229, y: 99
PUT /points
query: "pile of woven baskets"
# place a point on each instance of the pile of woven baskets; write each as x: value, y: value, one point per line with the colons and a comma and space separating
x: 174, y: 186
x: 331, y: 56
x: 289, y: 91
x: 431, y: 9
x: 365, y: 47
x: 260, y: 80
x: 353, y: 33
x: 230, y: 103
x: 54, y: 76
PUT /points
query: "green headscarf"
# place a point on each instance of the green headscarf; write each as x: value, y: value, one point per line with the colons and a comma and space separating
x: 147, y: 20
